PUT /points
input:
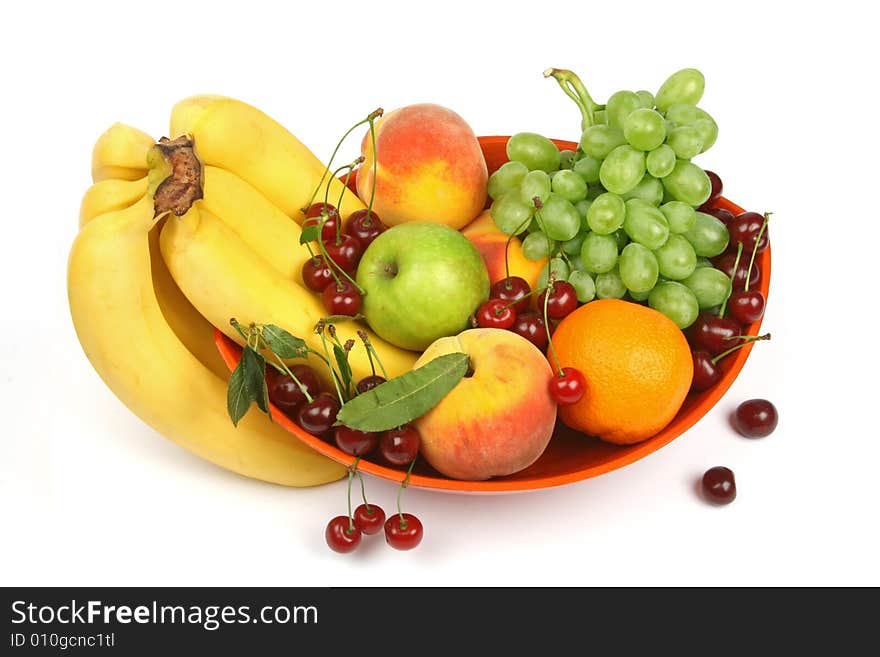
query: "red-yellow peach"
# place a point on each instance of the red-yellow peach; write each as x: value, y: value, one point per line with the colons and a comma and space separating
x: 491, y: 242
x: 496, y: 421
x: 429, y: 167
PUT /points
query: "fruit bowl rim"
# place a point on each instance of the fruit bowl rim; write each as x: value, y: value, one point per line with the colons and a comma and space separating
x: 231, y: 352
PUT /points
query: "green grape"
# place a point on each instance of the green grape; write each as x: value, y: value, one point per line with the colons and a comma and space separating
x: 595, y: 191
x: 688, y: 183
x: 583, y: 206
x: 711, y: 286
x: 685, y: 141
x: 622, y: 169
x: 649, y: 189
x: 588, y: 168
x: 621, y: 238
x: 606, y: 214
x: 558, y: 266
x: 583, y: 284
x: 709, y: 235
x: 646, y: 97
x: 704, y: 262
x: 560, y: 219
x: 598, y: 141
x: 708, y: 130
x: 537, y: 246
x: 510, y: 214
x: 681, y: 114
x: 534, y: 226
x: 660, y: 161
x: 684, y: 86
x: 681, y: 216
x: 621, y: 105
x: 675, y: 301
x: 645, y: 224
x: 535, y: 151
x: 609, y: 285
x: 534, y: 183
x: 676, y: 259
x: 573, y: 246
x: 639, y: 296
x: 638, y: 268
x: 644, y: 129
x: 508, y: 177
x: 566, y: 158
x: 569, y: 186
x: 599, y: 253
x: 576, y: 263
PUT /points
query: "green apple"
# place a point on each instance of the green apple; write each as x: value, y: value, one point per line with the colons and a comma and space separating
x: 422, y: 281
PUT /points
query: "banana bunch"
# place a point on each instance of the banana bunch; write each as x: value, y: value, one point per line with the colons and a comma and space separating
x: 146, y: 286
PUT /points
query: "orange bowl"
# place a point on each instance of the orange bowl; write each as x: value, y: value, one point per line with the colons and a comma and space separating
x: 570, y: 456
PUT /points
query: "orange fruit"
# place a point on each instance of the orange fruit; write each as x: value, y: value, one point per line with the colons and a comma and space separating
x: 637, y: 364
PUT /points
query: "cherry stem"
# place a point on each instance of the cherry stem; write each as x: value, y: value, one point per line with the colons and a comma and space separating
x: 551, y: 279
x: 331, y: 329
x: 403, y: 485
x: 336, y: 150
x: 364, y: 491
x: 739, y: 250
x: 333, y: 374
x: 755, y: 250
x: 371, y: 351
x: 348, y: 173
x: 747, y: 339
x: 573, y: 87
x: 518, y: 230
x: 351, y: 472
x: 367, y: 220
x: 281, y: 366
x: 331, y: 264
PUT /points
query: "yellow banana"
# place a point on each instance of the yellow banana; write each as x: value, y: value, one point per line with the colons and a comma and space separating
x: 109, y: 195
x: 223, y: 278
x: 125, y: 336
x: 234, y: 136
x: 121, y: 153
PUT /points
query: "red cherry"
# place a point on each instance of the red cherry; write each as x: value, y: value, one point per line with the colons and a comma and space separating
x: 719, y: 486
x: 747, y: 307
x: 530, y: 325
x: 369, y: 382
x: 355, y: 442
x: 285, y: 393
x: 714, y: 334
x: 403, y: 533
x: 511, y: 289
x: 725, y: 264
x: 744, y: 230
x: 341, y: 535
x: 365, y: 227
x: 717, y: 187
x: 569, y: 387
x: 400, y: 446
x: 328, y: 214
x: 562, y: 300
x: 706, y: 372
x: 345, y: 251
x: 723, y: 215
x: 756, y: 418
x: 495, y: 314
x: 369, y: 519
x: 318, y: 416
x: 316, y: 273
x: 342, y: 298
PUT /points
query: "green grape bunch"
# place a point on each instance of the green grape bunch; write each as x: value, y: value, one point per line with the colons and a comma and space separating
x: 619, y: 216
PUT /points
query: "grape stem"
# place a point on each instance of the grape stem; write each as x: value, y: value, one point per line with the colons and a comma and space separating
x: 739, y: 250
x: 755, y: 250
x: 573, y: 87
x: 746, y: 339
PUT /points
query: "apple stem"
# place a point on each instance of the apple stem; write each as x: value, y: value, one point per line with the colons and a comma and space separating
x: 755, y: 250
x: 551, y: 278
x: 747, y: 339
x: 403, y: 485
x: 739, y: 250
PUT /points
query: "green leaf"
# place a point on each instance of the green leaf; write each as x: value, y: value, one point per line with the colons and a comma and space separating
x: 309, y: 233
x: 283, y: 344
x: 247, y: 384
x: 406, y: 397
x: 342, y: 364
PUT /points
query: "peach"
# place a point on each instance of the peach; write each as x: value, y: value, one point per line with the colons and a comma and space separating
x: 491, y: 243
x: 429, y: 167
x: 497, y: 421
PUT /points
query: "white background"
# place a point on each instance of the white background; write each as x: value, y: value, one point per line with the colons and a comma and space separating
x: 90, y: 495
